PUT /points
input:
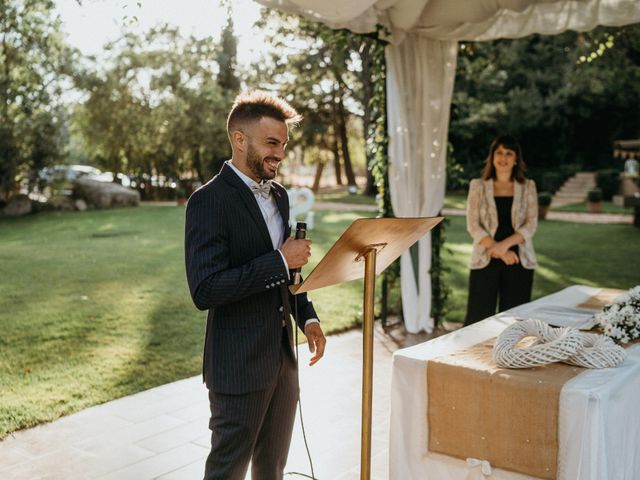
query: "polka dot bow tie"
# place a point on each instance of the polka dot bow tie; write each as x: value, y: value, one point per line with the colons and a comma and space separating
x: 262, y: 189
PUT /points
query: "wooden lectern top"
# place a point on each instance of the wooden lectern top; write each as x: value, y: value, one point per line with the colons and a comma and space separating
x: 345, y: 261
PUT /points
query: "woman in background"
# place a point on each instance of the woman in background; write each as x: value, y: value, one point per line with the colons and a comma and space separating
x: 502, y: 216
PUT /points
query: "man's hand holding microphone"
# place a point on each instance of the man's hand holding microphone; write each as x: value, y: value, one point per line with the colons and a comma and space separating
x: 296, y: 252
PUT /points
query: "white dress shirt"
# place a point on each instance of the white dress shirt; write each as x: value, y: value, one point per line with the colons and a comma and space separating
x: 273, y: 219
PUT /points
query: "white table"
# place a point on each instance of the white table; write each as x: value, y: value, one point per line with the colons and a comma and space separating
x: 599, y: 430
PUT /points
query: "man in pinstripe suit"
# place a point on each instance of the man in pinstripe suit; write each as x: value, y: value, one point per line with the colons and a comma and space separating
x: 239, y: 254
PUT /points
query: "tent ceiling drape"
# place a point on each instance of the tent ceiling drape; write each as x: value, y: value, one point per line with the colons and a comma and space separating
x: 421, y: 62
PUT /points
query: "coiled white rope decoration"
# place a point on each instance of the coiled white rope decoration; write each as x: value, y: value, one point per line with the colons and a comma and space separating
x: 567, y: 345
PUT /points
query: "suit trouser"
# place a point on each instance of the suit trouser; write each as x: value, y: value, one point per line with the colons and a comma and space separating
x: 508, y: 285
x: 254, y: 427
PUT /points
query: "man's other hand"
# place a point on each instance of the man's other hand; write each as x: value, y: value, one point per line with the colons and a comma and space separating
x: 316, y: 340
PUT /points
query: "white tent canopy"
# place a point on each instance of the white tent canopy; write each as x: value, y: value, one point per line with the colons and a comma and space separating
x: 421, y: 62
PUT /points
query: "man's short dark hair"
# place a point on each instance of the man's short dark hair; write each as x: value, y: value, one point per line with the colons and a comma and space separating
x: 251, y: 106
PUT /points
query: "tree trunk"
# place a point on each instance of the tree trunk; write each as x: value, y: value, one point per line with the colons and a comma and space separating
x: 318, y: 176
x: 335, y: 148
x: 197, y: 164
x: 344, y: 142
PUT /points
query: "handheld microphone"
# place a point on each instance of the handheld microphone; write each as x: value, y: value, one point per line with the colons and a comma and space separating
x: 301, y: 233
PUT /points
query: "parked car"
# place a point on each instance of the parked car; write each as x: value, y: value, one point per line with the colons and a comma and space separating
x: 66, y: 172
x: 123, y: 179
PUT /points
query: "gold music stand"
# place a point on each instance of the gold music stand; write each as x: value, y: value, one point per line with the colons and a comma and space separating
x: 366, y: 248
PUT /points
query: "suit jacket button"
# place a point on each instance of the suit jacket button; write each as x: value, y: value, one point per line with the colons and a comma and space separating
x: 281, y: 308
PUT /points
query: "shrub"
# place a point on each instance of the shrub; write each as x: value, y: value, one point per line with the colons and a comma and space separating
x: 457, y: 178
x: 595, y: 195
x: 544, y: 199
x: 608, y: 181
x: 552, y: 181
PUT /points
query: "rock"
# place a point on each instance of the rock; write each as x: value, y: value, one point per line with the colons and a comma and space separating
x: 62, y: 203
x: 17, y: 206
x: 38, y: 206
x: 105, y: 194
x: 81, y: 205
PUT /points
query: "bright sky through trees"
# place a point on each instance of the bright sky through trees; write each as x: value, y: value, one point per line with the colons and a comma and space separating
x: 93, y: 23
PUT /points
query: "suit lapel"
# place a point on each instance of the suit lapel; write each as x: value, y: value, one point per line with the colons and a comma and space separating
x: 249, y: 200
x: 282, y: 201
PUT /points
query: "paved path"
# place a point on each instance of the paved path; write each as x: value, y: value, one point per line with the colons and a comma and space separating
x: 576, y: 217
x: 162, y: 433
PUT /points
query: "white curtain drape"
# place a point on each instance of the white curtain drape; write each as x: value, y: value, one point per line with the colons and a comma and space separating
x: 420, y: 75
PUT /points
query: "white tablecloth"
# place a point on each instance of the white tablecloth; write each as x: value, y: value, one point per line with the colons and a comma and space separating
x: 599, y: 431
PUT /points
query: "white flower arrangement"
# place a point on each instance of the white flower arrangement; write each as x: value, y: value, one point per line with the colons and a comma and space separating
x: 620, y: 319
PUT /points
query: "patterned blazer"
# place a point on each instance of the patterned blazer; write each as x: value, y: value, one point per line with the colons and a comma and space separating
x: 234, y: 272
x: 482, y: 219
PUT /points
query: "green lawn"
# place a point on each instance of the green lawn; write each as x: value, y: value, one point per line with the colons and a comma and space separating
x: 345, y: 197
x: 94, y: 306
x: 568, y: 253
x: 607, y: 207
x: 455, y: 201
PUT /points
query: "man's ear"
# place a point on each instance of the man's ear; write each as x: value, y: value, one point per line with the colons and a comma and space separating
x: 238, y: 140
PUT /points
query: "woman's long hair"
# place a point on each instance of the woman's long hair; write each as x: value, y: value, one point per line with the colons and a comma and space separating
x: 511, y: 143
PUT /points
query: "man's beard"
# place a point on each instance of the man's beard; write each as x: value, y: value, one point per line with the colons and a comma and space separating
x: 256, y: 164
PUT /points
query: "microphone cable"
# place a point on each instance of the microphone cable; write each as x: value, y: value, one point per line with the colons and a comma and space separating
x: 304, y: 433
x: 301, y: 230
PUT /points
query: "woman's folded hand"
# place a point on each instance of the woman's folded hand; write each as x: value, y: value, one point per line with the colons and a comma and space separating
x: 510, y: 257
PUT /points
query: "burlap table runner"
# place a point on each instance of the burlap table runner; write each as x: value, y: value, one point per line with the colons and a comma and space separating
x: 600, y: 299
x: 508, y: 417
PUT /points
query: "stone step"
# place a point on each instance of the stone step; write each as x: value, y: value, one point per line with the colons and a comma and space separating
x: 579, y: 184
x: 585, y: 181
x: 575, y: 189
x: 569, y: 199
x: 572, y: 194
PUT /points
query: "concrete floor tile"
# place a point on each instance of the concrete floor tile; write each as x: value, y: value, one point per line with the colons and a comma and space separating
x: 9, y: 457
x: 198, y: 411
x: 62, y: 464
x: 193, y: 471
x: 159, y: 464
x: 130, y: 433
x: 174, y: 437
x: 163, y: 433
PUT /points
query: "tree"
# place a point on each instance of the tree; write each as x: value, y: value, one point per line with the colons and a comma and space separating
x: 34, y: 61
x: 567, y: 97
x: 227, y: 78
x: 159, y: 108
x: 326, y: 75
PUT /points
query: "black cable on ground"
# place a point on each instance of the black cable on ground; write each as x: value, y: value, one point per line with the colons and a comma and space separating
x: 304, y: 433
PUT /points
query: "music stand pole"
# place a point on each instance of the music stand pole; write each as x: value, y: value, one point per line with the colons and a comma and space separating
x: 377, y: 242
x: 367, y: 361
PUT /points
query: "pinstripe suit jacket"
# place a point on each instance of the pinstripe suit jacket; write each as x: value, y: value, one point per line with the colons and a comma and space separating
x: 234, y: 273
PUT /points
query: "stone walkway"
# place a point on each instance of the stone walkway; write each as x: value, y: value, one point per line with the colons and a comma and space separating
x: 576, y: 217
x: 163, y: 433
